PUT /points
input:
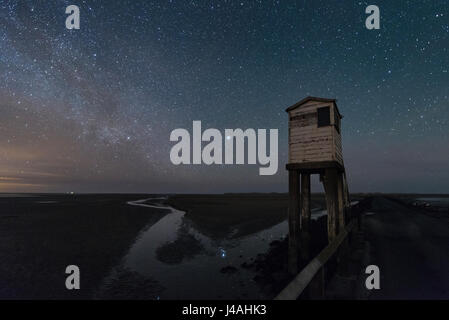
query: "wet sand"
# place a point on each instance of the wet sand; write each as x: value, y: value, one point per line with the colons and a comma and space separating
x: 188, y: 259
x: 41, y: 235
x: 236, y: 215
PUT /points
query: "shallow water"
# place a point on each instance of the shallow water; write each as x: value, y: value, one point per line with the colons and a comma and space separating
x: 182, y: 263
x: 435, y: 201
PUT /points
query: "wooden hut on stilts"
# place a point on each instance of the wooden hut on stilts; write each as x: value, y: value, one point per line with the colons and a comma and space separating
x: 315, y: 147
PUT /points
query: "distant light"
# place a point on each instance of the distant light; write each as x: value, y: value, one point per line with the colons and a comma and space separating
x: 222, y: 253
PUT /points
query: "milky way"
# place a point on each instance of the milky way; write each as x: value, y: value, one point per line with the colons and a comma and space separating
x: 91, y: 110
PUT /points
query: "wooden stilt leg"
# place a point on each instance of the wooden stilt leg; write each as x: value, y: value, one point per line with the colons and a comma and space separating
x: 330, y: 187
x: 305, y: 217
x: 341, y: 202
x: 346, y: 190
x: 293, y: 221
x: 348, y: 214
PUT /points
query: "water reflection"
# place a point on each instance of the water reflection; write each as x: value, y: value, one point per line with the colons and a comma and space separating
x: 189, y: 265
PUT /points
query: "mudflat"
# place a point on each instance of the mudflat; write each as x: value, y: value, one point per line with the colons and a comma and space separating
x: 41, y: 234
x: 236, y: 215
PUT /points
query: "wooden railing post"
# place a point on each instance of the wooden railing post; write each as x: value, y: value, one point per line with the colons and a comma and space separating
x: 312, y: 276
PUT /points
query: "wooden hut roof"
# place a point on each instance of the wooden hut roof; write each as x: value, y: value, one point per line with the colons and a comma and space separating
x: 309, y: 98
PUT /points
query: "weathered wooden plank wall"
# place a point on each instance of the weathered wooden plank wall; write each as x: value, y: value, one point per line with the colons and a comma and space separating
x: 307, y: 141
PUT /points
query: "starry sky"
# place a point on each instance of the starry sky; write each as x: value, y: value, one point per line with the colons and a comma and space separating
x: 91, y: 110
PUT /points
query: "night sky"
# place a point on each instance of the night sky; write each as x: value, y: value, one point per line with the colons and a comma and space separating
x: 91, y: 110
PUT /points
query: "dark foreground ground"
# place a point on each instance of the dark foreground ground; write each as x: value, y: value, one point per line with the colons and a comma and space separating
x: 408, y: 240
x: 41, y: 234
x: 411, y: 247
